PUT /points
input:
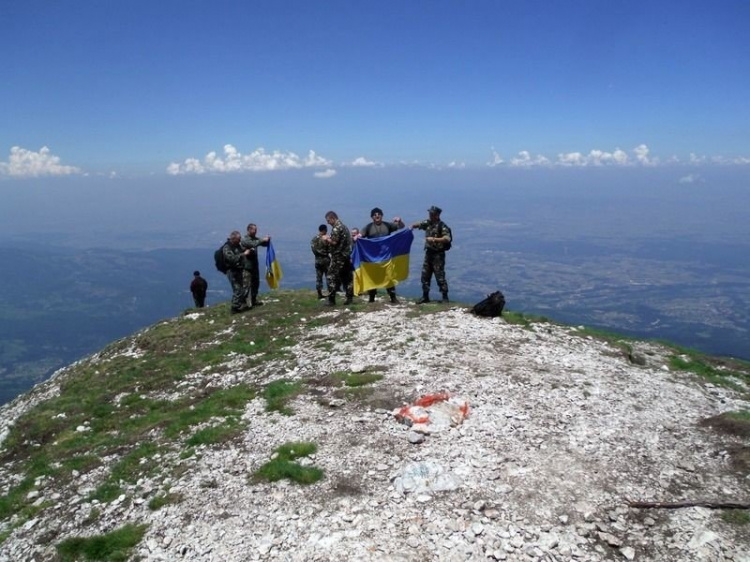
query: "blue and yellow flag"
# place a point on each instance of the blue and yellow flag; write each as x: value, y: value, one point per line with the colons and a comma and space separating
x: 273, y: 268
x: 381, y: 262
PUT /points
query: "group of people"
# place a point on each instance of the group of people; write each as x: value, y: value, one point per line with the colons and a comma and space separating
x: 333, y: 254
x: 240, y: 255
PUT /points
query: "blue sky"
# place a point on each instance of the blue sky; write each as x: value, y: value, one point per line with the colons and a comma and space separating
x: 184, y: 87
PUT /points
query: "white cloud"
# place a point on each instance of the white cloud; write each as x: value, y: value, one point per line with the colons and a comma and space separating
x: 642, y: 155
x: 329, y: 173
x: 571, y: 159
x: 603, y: 158
x: 526, y: 160
x: 496, y: 159
x: 723, y: 160
x: 27, y: 163
x: 691, y: 178
x: 363, y: 162
x: 257, y: 161
x: 457, y: 165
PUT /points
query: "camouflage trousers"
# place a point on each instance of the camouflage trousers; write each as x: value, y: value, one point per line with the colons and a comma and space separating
x: 239, y: 290
x: 340, y: 273
x: 434, y: 263
x: 251, y: 280
x: 321, y: 269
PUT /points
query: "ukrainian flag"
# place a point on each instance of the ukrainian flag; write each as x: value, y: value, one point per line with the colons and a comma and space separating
x: 381, y: 262
x: 273, y: 268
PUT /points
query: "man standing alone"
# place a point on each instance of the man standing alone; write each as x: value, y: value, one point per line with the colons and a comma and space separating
x: 377, y: 229
x: 340, y: 270
x: 438, y: 239
x: 251, y: 274
x: 199, y: 288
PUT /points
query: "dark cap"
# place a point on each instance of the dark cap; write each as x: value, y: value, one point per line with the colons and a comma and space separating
x: 376, y: 210
x: 196, y: 273
x: 434, y: 210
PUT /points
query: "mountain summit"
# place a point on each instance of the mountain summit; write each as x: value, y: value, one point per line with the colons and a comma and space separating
x: 275, y: 434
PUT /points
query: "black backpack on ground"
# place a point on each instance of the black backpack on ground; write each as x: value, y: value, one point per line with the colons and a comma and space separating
x: 491, y: 306
x: 221, y: 265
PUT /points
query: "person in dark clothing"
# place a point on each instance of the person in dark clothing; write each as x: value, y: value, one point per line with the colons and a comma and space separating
x: 199, y: 287
x: 234, y: 258
x: 340, y: 270
x: 438, y: 238
x: 322, y: 255
x: 251, y: 274
x: 377, y: 229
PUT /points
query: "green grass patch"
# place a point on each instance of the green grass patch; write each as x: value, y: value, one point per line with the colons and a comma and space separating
x: 216, y: 434
x: 522, y: 319
x: 157, y: 502
x: 283, y: 465
x: 114, y: 546
x: 702, y: 366
x: 356, y: 379
x: 736, y: 516
x: 278, y: 393
x: 15, y: 499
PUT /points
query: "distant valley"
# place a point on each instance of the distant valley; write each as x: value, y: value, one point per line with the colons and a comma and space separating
x: 58, y: 307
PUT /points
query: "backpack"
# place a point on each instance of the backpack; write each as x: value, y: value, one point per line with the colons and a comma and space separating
x: 490, y: 306
x: 221, y: 265
x: 446, y: 245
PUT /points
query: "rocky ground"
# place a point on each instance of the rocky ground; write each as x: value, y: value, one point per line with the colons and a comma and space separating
x: 563, y: 431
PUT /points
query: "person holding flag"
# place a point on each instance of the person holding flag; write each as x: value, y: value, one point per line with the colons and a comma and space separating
x: 438, y: 240
x: 379, y: 228
x: 251, y: 274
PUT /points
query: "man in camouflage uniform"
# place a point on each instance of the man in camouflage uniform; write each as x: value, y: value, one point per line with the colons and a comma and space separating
x: 320, y: 250
x: 234, y: 258
x: 377, y: 229
x: 437, y: 237
x: 251, y: 274
x: 340, y: 271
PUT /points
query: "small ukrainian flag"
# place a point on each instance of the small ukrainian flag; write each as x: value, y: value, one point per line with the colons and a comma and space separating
x: 273, y: 268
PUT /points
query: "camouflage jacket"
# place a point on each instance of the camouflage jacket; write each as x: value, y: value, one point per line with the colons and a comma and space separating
x: 233, y: 256
x: 341, y: 240
x: 320, y: 250
x: 251, y: 243
x: 435, y: 230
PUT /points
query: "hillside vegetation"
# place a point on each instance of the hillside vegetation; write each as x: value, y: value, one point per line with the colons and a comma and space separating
x: 232, y: 434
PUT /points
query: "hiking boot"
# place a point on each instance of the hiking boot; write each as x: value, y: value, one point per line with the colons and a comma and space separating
x: 349, y: 299
x: 372, y: 298
x: 320, y: 294
x: 258, y: 303
x: 425, y: 298
x: 394, y: 300
x: 445, y: 297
